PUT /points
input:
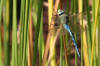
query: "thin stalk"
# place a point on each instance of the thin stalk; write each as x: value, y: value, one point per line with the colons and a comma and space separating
x: 75, y: 11
x: 1, y: 3
x: 50, y: 10
x: 30, y: 47
x: 26, y: 32
x: 89, y: 28
x: 41, y: 41
x: 67, y: 9
x: 14, y: 35
x: 95, y: 58
x: 98, y: 46
x: 54, y: 42
x: 66, y: 57
x: 98, y: 53
x: 94, y: 31
x: 40, y: 6
x: 49, y: 36
x: 7, y: 49
x: 21, y: 29
x: 61, y: 51
x: 84, y: 40
x: 52, y: 52
x: 6, y: 30
x: 0, y: 50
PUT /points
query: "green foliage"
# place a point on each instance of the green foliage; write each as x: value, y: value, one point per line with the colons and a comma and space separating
x: 16, y: 48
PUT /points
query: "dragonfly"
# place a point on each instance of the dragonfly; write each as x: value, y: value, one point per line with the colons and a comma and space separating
x: 62, y: 18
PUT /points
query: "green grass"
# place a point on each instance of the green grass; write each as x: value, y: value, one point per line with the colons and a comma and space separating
x: 31, y: 12
x: 1, y: 2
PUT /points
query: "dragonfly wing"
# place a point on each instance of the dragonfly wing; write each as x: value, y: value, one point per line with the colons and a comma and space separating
x: 75, y: 22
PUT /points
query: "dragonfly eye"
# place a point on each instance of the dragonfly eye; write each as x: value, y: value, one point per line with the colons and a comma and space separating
x: 60, y: 12
x: 67, y: 19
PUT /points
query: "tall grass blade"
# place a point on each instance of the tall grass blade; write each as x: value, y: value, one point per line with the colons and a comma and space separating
x: 62, y: 53
x: 26, y: 32
x: 94, y: 32
x: 52, y: 52
x: 41, y: 42
x: 84, y: 41
x: 40, y: 7
x: 30, y: 45
x: 98, y: 46
x: 14, y: 35
x: 6, y: 32
x: 0, y: 50
x: 89, y: 28
x: 21, y: 30
x: 1, y: 3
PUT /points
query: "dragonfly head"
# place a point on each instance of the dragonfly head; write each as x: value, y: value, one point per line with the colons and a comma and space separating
x: 60, y: 12
x: 63, y: 17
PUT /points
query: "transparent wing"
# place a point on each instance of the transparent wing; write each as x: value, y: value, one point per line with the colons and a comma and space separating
x: 69, y: 38
x: 72, y: 42
x: 75, y: 22
x: 76, y: 33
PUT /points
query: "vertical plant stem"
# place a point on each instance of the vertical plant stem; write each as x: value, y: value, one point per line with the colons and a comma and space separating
x: 98, y: 53
x: 84, y: 41
x: 26, y: 32
x: 8, y: 33
x: 61, y: 51
x: 52, y: 52
x: 21, y: 29
x: 66, y: 57
x: 89, y: 28
x: 6, y: 30
x: 50, y: 10
x: 1, y: 3
x: 0, y: 50
x: 30, y: 47
x: 40, y: 6
x: 94, y: 32
x: 41, y: 41
x: 49, y: 37
x: 14, y: 35
x: 75, y: 11
x: 67, y: 9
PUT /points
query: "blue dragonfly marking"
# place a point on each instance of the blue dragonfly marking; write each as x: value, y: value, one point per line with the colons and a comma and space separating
x: 64, y: 19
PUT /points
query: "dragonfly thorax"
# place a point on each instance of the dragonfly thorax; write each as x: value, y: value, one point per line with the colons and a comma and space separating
x: 67, y: 19
x: 63, y: 19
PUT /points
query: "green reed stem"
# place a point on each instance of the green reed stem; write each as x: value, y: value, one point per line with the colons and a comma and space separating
x: 14, y: 35
x: 1, y: 2
x: 89, y: 28
x: 26, y: 32
x: 40, y: 6
x: 98, y: 53
x: 41, y: 41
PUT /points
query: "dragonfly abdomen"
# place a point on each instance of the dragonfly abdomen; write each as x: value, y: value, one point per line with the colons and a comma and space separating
x: 75, y: 44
